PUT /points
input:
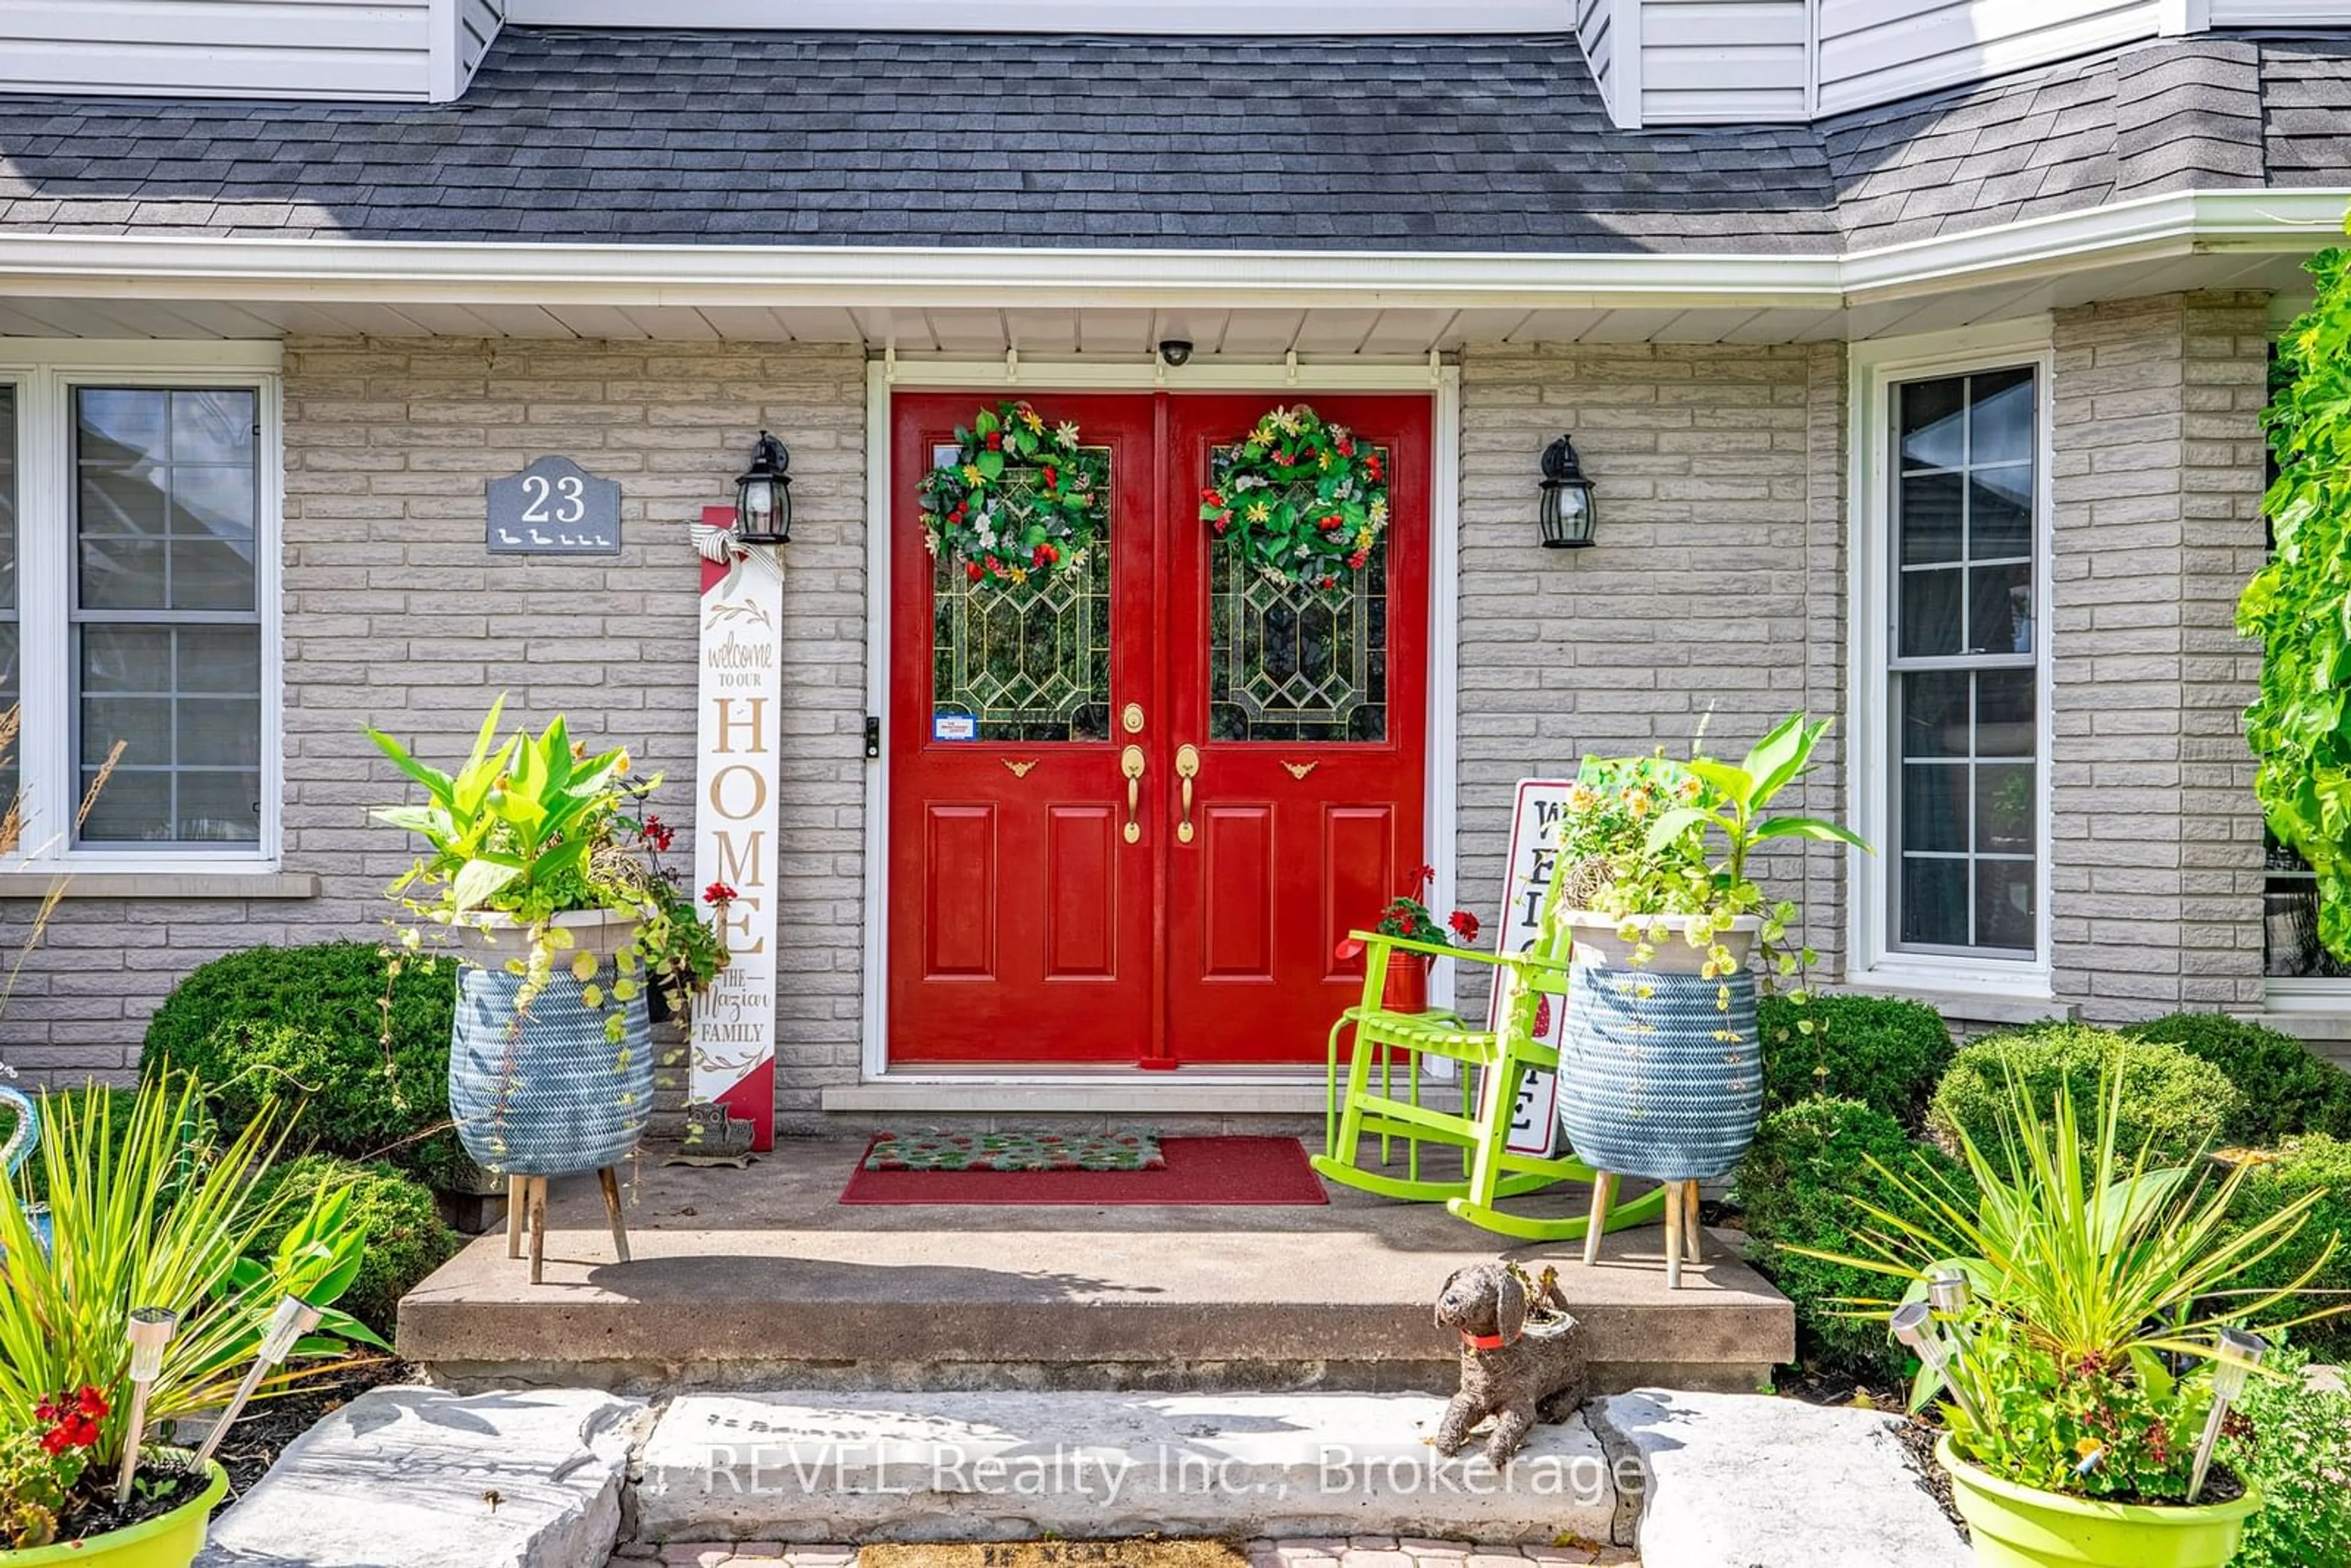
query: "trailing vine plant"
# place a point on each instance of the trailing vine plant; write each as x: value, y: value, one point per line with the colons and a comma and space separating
x: 2299, y: 604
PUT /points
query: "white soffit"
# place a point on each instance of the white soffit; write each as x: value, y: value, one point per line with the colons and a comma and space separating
x: 1118, y: 303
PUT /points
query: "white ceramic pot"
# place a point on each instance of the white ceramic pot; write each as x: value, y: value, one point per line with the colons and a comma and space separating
x: 1598, y: 944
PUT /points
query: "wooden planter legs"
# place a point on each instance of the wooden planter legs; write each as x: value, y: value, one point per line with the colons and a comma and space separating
x: 1683, y: 1230
x: 527, y: 1209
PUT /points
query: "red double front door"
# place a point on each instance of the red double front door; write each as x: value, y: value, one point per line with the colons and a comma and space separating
x: 1132, y: 812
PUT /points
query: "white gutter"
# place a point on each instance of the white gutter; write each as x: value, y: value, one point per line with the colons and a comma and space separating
x: 132, y: 266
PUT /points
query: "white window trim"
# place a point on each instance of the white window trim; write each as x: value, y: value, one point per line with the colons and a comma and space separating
x: 44, y: 375
x: 1875, y: 367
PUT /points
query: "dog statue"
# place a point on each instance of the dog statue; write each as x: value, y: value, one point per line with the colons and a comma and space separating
x: 1523, y: 1357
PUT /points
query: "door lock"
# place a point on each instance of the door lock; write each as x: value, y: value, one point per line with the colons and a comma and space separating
x: 1130, y: 718
x: 1130, y: 762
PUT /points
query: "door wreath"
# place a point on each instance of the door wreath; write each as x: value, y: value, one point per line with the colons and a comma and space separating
x: 1306, y: 502
x: 1021, y: 503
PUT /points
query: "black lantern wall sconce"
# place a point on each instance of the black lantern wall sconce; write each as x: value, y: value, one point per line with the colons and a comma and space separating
x: 763, y: 495
x: 1568, y: 515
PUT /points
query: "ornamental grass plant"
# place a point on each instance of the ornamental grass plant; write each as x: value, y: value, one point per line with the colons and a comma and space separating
x: 2100, y: 1277
x: 139, y: 1221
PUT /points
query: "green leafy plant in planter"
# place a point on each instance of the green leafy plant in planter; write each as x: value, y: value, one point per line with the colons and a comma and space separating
x: 2077, y: 1368
x: 137, y: 1225
x: 1661, y: 1064
x: 2294, y: 604
x: 533, y: 859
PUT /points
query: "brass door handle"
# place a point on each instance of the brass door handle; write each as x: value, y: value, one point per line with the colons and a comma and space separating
x: 1130, y: 762
x: 1187, y: 767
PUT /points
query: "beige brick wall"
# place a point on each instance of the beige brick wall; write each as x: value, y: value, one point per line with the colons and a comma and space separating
x: 1715, y: 583
x: 396, y: 616
x: 1718, y: 580
x: 2158, y: 476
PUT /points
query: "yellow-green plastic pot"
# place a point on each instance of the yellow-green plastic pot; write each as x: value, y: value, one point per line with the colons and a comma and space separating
x: 2022, y: 1527
x: 167, y: 1540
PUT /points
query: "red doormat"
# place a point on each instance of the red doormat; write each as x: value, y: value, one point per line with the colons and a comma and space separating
x: 1198, y: 1173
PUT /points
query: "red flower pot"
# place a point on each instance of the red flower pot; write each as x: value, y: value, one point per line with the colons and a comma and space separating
x: 1404, y: 986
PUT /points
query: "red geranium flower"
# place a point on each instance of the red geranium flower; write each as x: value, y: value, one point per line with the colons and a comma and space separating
x: 1358, y: 558
x: 720, y: 893
x: 1346, y: 446
x: 1423, y: 875
x: 1044, y: 555
x: 1464, y: 924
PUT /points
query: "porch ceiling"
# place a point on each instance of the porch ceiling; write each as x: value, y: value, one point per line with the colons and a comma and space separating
x: 1375, y: 330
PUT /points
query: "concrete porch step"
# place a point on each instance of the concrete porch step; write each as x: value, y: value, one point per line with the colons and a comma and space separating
x: 809, y: 1466
x: 758, y: 1278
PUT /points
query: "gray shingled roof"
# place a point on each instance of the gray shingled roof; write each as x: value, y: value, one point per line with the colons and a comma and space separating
x: 1433, y: 144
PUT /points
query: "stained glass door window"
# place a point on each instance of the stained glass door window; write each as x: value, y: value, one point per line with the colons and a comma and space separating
x: 1029, y: 662
x: 1288, y: 662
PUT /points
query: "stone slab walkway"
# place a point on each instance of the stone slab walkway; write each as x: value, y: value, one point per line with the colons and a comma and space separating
x: 1003, y: 1465
x: 1354, y: 1552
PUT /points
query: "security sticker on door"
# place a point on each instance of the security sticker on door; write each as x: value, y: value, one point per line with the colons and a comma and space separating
x: 954, y: 727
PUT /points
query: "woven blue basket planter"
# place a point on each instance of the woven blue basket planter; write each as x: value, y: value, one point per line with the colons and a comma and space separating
x: 554, y: 1097
x: 1656, y: 1077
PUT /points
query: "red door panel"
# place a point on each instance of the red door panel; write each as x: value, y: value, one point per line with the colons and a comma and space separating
x: 1238, y: 864
x: 1023, y: 924
x: 1020, y: 918
x: 1312, y: 716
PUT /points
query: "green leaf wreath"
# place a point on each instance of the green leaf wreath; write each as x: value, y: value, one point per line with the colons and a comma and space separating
x: 1020, y: 503
x: 1311, y: 538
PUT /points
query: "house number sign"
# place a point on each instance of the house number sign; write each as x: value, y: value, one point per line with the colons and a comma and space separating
x: 555, y: 508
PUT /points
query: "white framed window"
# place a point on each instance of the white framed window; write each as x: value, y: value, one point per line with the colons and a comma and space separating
x: 1949, y: 661
x: 139, y: 518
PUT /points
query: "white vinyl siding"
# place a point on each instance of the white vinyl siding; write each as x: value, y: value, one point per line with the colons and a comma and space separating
x: 478, y: 22
x: 1875, y: 51
x: 1706, y: 60
x: 1595, y: 30
x: 383, y: 49
x: 2277, y: 13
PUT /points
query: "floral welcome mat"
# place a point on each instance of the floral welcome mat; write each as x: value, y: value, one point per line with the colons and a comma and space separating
x: 1015, y: 1152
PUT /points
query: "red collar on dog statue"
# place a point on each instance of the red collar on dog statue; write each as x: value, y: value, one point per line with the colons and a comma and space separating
x: 1482, y: 1341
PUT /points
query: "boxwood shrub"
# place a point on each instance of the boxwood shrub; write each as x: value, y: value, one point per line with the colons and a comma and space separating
x: 1882, y: 1052
x: 1798, y: 1183
x: 2301, y: 1166
x: 405, y: 1237
x: 2282, y: 1089
x: 304, y: 1025
x: 2173, y: 1101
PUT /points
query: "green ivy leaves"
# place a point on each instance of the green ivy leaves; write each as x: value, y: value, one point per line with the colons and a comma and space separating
x: 2299, y: 604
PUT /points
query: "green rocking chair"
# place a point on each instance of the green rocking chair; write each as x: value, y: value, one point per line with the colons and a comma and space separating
x: 1492, y: 1063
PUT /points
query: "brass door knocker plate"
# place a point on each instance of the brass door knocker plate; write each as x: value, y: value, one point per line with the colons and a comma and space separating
x: 1019, y: 769
x: 1300, y: 770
